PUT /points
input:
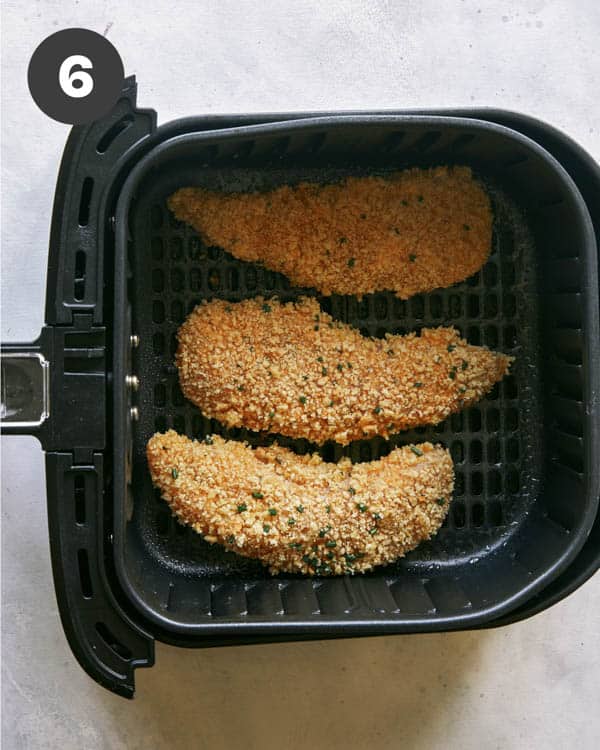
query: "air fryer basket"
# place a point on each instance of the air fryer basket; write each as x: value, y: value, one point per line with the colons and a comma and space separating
x: 123, y: 574
x: 525, y: 491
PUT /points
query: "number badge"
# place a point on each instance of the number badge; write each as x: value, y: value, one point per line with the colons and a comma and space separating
x: 75, y: 76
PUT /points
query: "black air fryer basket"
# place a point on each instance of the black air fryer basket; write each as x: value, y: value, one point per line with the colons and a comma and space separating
x: 122, y: 276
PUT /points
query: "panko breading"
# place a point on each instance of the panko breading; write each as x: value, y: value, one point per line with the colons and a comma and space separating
x: 297, y: 513
x: 410, y: 232
x: 290, y: 369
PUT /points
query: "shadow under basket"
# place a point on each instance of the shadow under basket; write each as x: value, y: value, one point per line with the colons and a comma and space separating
x: 525, y: 456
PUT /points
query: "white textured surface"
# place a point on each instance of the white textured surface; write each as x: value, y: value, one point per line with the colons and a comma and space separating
x: 535, y: 684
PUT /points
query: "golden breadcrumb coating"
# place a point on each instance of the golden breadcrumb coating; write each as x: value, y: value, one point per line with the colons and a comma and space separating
x: 410, y: 232
x: 290, y: 369
x: 297, y: 513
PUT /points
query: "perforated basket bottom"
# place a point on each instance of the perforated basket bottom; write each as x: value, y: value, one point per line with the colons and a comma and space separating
x: 495, y: 445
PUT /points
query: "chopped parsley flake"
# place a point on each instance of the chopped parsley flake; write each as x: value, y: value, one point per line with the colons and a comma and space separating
x: 323, y: 371
x: 331, y: 543
x: 272, y: 511
x: 319, y: 359
x: 291, y: 521
x: 351, y: 490
x: 230, y: 539
x: 377, y: 516
x: 377, y: 410
x: 416, y: 451
x: 466, y: 227
x: 404, y: 202
x: 420, y: 198
x: 174, y: 473
x: 412, y: 257
x: 302, y: 399
x: 373, y: 531
x: 240, y: 387
x: 463, y: 389
x: 328, y: 509
x: 242, y: 507
x: 258, y: 495
x: 418, y: 384
x: 349, y: 365
x: 342, y: 240
x: 271, y: 414
x: 331, y: 403
x: 451, y: 347
x: 351, y: 262
x: 266, y: 308
x: 440, y: 501
x: 340, y: 366
x: 464, y: 365
x: 295, y: 545
x: 266, y: 528
x: 316, y: 327
x: 452, y: 373
x: 300, y: 508
x: 362, y: 507
x: 208, y: 440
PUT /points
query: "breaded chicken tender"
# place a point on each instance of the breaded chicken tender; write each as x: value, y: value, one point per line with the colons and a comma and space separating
x: 291, y: 369
x: 299, y: 514
x: 409, y: 232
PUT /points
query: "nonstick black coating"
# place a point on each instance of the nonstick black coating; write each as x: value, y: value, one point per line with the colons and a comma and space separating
x: 501, y: 447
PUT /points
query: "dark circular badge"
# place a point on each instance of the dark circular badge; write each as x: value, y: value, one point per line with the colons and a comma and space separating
x: 75, y: 76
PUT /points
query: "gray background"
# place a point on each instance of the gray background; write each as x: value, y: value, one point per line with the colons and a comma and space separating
x: 531, y: 685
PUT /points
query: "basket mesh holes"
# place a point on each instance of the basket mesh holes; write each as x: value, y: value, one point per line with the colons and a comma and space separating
x: 178, y: 399
x: 436, y: 306
x: 176, y: 248
x: 493, y: 451
x: 473, y: 306
x: 215, y: 253
x: 509, y: 305
x: 214, y: 280
x: 195, y: 280
x: 251, y: 280
x: 457, y: 452
x: 177, y: 315
x: 495, y: 515
x: 79, y: 276
x: 85, y: 200
x: 456, y: 422
x: 459, y: 517
x: 196, y: 250
x: 234, y: 280
x: 476, y: 451
x: 512, y: 449
x: 512, y: 480
x: 158, y: 280
x: 477, y: 515
x: 490, y: 337
x: 158, y: 312
x: 474, y: 335
x: 399, y: 308
x: 179, y: 424
x: 160, y: 424
x: 490, y: 306
x: 493, y: 420
x: 494, y: 482
x: 381, y: 307
x: 512, y: 419
x: 156, y: 248
x: 417, y: 307
x: 177, y: 282
x: 269, y: 279
x: 474, y: 419
x: 454, y: 306
x: 474, y: 280
x: 459, y: 484
x: 476, y: 483
x: 510, y: 337
x: 490, y: 274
